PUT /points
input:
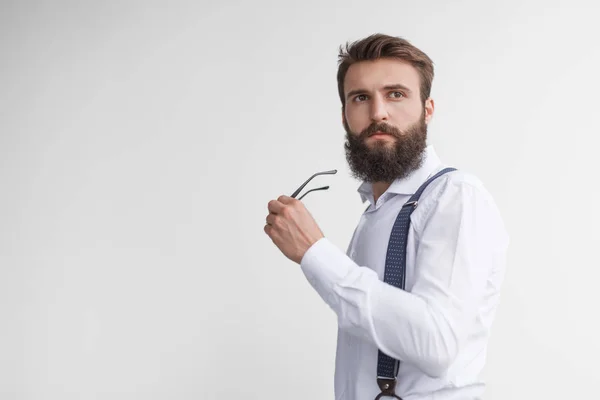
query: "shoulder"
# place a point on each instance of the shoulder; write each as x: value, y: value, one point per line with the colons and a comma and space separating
x: 458, y: 184
x: 458, y: 192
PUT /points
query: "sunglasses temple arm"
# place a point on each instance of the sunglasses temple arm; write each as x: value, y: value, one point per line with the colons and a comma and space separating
x: 331, y: 172
x: 313, y: 190
x: 302, y: 186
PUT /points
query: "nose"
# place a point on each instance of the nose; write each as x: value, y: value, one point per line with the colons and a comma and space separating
x: 378, y: 109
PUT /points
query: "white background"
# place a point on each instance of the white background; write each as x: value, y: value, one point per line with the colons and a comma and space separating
x: 140, y: 143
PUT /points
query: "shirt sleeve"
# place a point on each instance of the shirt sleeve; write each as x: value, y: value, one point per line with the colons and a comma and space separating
x: 426, y: 326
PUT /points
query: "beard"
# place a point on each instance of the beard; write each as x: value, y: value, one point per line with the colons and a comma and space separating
x: 380, y: 161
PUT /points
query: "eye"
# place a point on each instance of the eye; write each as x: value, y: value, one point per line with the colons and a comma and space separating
x: 360, y: 97
x: 396, y: 95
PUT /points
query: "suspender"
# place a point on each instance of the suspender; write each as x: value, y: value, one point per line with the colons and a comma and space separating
x: 395, y: 274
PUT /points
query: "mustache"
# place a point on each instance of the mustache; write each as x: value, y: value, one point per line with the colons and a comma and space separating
x: 380, y: 127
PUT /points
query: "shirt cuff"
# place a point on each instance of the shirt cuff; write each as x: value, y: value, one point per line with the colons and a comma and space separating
x: 324, y: 264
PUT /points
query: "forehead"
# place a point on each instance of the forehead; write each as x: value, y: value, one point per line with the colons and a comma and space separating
x: 373, y: 75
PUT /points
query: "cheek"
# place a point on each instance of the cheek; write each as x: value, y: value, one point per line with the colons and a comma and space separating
x: 357, y: 121
x: 406, y: 116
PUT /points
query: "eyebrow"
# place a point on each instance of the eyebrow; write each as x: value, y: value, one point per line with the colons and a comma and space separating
x: 388, y: 87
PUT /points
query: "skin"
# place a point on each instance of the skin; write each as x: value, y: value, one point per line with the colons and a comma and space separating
x: 381, y: 91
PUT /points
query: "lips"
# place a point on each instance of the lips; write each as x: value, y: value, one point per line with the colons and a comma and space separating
x: 380, y: 134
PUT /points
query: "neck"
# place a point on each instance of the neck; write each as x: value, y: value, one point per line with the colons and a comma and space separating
x: 379, y: 188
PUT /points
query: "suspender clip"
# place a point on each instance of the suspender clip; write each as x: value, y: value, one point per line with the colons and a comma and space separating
x: 411, y: 203
x: 388, y: 388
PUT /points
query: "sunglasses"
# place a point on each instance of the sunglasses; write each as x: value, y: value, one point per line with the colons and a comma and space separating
x: 332, y: 172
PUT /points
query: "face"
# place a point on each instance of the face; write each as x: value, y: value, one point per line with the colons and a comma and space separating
x: 385, y: 120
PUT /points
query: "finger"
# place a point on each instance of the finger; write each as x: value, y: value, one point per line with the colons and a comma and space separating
x: 271, y: 219
x: 275, y: 206
x: 286, y: 199
x: 270, y: 232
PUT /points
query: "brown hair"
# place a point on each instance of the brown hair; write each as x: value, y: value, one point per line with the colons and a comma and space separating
x: 384, y: 46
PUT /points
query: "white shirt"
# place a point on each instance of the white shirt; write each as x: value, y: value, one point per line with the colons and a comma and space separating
x: 439, y: 327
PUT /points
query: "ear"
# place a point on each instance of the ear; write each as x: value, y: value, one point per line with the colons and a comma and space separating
x: 429, y: 108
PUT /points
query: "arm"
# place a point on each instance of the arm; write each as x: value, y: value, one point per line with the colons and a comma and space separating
x: 425, y: 326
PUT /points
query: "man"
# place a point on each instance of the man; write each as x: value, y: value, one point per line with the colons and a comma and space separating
x: 438, y: 326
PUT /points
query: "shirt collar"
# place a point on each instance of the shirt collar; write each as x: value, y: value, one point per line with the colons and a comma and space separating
x: 407, y: 185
